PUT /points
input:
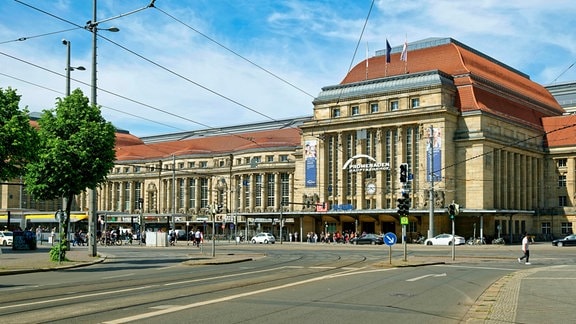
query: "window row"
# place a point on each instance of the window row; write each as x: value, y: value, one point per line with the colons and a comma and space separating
x: 374, y: 107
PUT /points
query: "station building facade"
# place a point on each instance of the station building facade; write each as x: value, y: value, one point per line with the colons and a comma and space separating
x: 470, y: 129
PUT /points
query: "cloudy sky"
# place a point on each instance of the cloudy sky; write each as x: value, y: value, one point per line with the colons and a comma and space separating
x: 197, y: 64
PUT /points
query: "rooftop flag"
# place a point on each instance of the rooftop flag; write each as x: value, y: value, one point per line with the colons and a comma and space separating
x: 388, y: 51
x: 404, y: 55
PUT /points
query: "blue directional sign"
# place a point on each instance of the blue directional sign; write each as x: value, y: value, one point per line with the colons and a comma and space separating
x: 390, y: 238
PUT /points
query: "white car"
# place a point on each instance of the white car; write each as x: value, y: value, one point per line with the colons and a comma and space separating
x: 263, y: 238
x: 445, y: 239
x: 6, y: 238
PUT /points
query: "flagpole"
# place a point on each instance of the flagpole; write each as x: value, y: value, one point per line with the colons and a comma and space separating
x: 388, y: 52
x: 404, y: 55
x: 366, y: 60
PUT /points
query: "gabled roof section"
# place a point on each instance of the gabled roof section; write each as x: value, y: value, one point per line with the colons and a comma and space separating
x: 468, y: 68
x: 560, y: 131
x: 382, y: 86
x: 213, y: 145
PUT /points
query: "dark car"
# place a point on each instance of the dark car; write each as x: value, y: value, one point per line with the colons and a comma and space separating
x: 368, y: 239
x: 568, y: 240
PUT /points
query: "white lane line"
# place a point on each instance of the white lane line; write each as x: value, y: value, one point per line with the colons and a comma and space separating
x: 18, y: 288
x: 220, y: 277
x: 472, y: 267
x: 118, y: 276
x: 222, y: 299
x: 75, y: 297
x: 426, y: 276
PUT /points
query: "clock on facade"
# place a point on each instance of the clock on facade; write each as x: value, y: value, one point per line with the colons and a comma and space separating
x: 371, y: 188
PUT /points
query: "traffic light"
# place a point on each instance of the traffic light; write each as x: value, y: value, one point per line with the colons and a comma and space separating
x: 219, y: 209
x: 452, y: 210
x: 404, y: 172
x: 404, y: 205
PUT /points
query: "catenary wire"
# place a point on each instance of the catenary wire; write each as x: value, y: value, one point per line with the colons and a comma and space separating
x: 135, y: 101
x: 107, y: 107
x: 151, y: 5
x: 235, y: 53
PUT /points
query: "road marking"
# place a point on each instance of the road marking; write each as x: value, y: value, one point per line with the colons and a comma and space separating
x: 471, y: 267
x: 19, y: 288
x: 75, y: 297
x: 223, y: 299
x: 426, y: 276
x: 118, y: 276
x: 220, y: 277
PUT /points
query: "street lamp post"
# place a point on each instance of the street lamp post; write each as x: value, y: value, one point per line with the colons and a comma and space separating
x: 93, y: 195
x: 68, y: 67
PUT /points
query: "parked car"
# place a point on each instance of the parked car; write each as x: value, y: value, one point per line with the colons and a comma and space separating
x: 445, y: 239
x: 568, y: 240
x: 263, y: 238
x: 6, y: 238
x: 368, y: 239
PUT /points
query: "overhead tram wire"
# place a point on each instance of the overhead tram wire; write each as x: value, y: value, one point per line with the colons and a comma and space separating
x: 188, y: 79
x: 21, y: 39
x: 235, y: 53
x: 566, y: 70
x: 357, y: 46
x: 150, y: 61
x: 131, y: 100
x: 110, y: 108
x: 136, y: 102
x: 507, y: 146
x: 151, y: 5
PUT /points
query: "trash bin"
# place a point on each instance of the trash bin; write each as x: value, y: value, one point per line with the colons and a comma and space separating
x: 237, y: 239
x: 24, y: 240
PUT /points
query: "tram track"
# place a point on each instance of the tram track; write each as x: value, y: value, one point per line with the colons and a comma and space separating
x: 89, y: 301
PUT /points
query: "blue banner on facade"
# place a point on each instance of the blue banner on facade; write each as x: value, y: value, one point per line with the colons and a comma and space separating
x: 434, y: 155
x: 310, y: 160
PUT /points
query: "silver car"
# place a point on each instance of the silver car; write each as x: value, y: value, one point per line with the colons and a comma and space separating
x: 263, y: 238
x: 6, y: 238
x: 445, y: 239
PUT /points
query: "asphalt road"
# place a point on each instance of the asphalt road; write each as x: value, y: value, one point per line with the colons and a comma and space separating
x: 293, y: 283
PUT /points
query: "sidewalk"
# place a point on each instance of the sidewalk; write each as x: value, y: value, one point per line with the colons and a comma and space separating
x: 16, y: 262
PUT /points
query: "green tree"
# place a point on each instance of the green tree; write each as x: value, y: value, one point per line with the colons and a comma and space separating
x: 18, y: 139
x: 76, y: 152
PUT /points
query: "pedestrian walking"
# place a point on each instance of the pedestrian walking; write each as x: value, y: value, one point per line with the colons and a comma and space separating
x: 525, y: 249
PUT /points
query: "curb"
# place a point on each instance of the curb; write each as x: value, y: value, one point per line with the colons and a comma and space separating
x: 56, y: 268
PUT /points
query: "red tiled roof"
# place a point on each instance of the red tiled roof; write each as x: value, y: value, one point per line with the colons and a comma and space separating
x: 211, y: 145
x: 482, y: 84
x: 561, y: 130
x: 126, y: 139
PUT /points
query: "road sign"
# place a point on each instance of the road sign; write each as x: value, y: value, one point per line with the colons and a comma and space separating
x: 390, y: 239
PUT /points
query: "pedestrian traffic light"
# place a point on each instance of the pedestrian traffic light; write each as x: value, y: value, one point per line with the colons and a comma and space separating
x: 404, y: 172
x: 452, y: 210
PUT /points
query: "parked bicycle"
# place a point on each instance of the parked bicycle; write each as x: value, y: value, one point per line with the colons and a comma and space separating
x: 498, y: 240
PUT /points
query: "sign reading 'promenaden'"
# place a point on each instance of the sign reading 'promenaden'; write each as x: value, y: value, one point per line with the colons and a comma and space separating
x: 373, y: 165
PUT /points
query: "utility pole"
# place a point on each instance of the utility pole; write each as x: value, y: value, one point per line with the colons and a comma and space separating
x: 431, y: 173
x: 174, y: 195
x: 93, y: 195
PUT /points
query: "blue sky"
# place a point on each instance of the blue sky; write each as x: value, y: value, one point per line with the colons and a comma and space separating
x: 195, y: 64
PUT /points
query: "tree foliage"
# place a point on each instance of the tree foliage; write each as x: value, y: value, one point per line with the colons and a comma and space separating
x: 76, y: 151
x: 18, y: 139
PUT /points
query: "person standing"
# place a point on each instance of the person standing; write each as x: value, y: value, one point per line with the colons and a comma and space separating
x: 525, y: 249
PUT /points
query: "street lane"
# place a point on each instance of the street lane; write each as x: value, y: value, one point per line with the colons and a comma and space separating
x: 298, y: 282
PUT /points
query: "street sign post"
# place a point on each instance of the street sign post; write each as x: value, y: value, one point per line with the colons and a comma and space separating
x: 390, y: 239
